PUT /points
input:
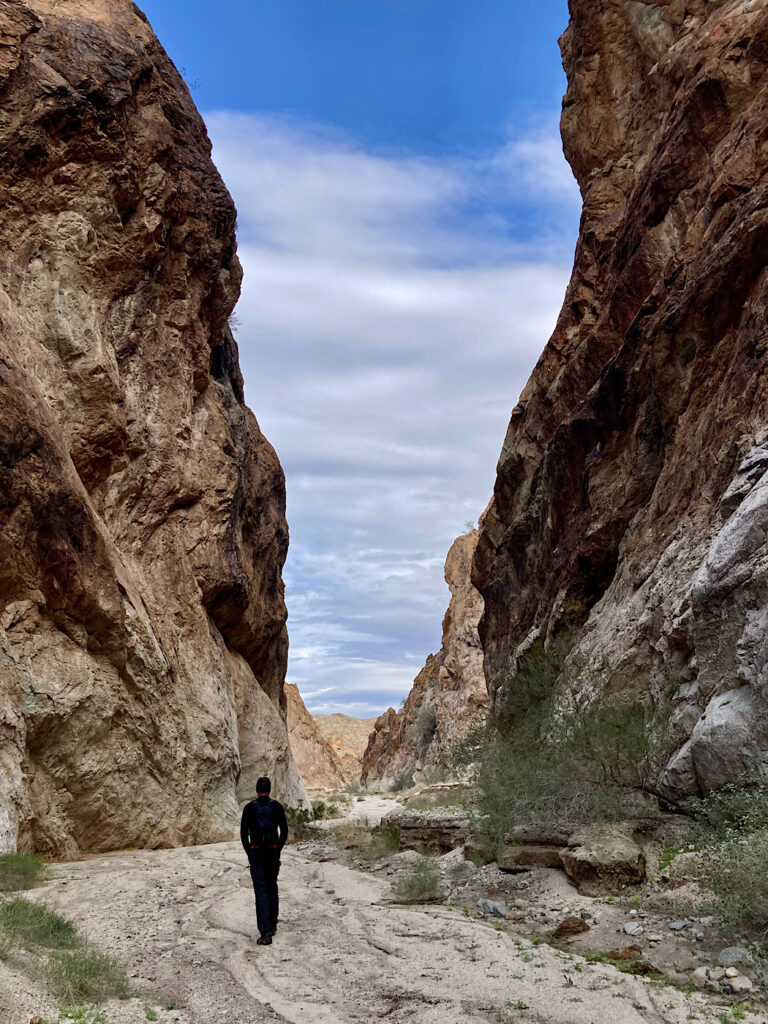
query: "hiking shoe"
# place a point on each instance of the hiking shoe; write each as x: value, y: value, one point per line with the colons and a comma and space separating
x: 274, y: 930
x: 264, y: 940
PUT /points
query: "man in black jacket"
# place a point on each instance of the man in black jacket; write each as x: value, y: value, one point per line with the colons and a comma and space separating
x: 263, y: 833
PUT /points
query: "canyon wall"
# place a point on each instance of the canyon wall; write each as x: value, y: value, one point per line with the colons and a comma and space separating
x: 318, y: 763
x: 142, y: 622
x: 631, y: 501
x: 349, y: 737
x: 449, y: 695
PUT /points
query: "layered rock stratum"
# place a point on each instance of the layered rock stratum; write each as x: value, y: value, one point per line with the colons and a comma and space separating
x: 143, y: 642
x: 349, y: 737
x: 449, y: 695
x: 631, y: 501
x: 319, y: 765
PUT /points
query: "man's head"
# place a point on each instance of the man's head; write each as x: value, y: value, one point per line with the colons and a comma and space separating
x: 263, y: 786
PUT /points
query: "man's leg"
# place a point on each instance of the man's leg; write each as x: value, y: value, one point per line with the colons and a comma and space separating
x: 260, y: 874
x: 272, y: 893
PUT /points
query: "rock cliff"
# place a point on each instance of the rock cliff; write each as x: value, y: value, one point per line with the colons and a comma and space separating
x: 449, y: 694
x: 317, y: 761
x: 631, y: 501
x: 142, y: 622
x: 349, y: 737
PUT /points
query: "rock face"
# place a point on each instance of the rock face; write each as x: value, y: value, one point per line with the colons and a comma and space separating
x: 317, y: 761
x: 142, y: 622
x: 349, y: 737
x: 449, y: 695
x: 631, y: 501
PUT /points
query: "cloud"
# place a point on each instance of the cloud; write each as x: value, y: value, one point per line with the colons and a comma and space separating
x: 393, y: 306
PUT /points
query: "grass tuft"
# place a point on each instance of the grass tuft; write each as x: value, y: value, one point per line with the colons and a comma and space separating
x: 422, y: 884
x: 24, y: 921
x: 21, y: 871
x: 86, y: 976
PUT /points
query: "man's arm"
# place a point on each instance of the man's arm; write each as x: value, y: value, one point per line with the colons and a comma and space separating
x: 244, y: 837
x: 282, y: 824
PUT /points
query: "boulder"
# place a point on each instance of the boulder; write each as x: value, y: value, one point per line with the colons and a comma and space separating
x: 599, y: 861
x: 735, y: 956
x: 429, y: 831
x: 516, y: 859
x: 570, y: 926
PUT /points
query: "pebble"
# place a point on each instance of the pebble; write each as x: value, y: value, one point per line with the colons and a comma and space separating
x: 655, y: 937
x: 731, y: 972
x: 740, y: 984
x: 678, y: 926
x: 633, y: 928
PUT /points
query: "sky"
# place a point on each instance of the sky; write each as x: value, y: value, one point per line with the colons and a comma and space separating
x: 406, y: 225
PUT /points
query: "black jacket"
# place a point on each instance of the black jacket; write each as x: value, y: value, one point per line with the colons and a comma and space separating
x: 249, y: 824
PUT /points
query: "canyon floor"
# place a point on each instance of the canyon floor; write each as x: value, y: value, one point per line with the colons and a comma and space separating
x: 183, y: 923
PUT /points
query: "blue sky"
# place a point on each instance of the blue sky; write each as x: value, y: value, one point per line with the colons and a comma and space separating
x: 406, y: 227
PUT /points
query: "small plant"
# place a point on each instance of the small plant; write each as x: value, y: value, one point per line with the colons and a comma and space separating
x: 150, y: 1014
x: 82, y: 1015
x: 423, y: 729
x: 668, y: 854
x: 402, y: 782
x: 420, y: 885
x: 21, y: 871
x: 86, y: 976
x: 24, y: 921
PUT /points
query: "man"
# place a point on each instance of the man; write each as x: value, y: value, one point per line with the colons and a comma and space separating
x: 263, y: 833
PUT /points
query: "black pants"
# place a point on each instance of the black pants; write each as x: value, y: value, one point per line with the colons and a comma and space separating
x: 265, y: 867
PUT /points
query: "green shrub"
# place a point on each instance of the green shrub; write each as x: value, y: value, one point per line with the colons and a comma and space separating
x: 556, y: 755
x: 402, y: 782
x: 384, y: 841
x: 739, y: 808
x: 422, y: 731
x: 20, y: 871
x: 24, y: 921
x: 422, y: 884
x: 86, y: 976
x: 736, y: 873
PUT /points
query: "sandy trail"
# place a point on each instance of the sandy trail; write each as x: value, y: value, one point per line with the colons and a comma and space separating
x: 184, y: 922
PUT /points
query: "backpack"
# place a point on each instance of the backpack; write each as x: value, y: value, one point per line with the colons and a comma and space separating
x: 263, y: 832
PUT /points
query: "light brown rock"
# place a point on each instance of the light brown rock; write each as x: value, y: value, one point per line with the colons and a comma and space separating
x: 142, y: 621
x: 449, y: 695
x: 317, y: 761
x: 631, y: 498
x: 601, y: 860
x: 349, y: 737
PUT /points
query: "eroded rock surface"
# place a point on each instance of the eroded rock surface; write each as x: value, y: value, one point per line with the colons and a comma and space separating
x: 317, y: 761
x: 631, y: 500
x: 142, y: 639
x: 349, y: 737
x: 449, y: 695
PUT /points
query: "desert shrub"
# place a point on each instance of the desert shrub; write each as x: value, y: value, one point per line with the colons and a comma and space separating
x: 402, y: 782
x: 737, y: 876
x: 422, y: 731
x: 422, y: 884
x: 739, y: 808
x: 86, y: 976
x: 384, y: 841
x: 24, y: 921
x: 552, y: 757
x: 20, y: 871
x: 321, y: 810
x: 433, y: 774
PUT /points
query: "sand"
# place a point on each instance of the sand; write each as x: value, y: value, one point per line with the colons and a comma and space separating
x: 183, y: 922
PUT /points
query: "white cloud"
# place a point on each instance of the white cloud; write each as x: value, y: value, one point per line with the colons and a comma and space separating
x: 392, y: 309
